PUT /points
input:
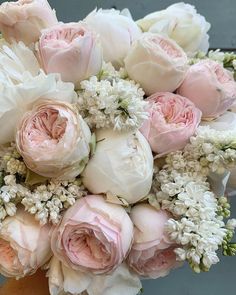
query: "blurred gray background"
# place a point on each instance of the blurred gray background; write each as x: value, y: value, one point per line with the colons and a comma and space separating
x: 222, y: 16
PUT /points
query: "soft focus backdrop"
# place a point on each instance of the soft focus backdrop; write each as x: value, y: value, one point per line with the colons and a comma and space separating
x: 222, y: 16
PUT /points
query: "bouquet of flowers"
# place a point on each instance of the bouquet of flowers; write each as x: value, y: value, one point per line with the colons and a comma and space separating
x: 117, y: 141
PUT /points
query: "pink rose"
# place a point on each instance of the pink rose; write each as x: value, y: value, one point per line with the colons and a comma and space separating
x: 24, y: 19
x: 173, y: 119
x: 93, y: 236
x: 73, y: 50
x: 152, y: 254
x: 53, y: 140
x: 24, y: 245
x: 210, y: 87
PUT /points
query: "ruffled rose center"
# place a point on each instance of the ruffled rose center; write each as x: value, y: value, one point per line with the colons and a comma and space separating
x: 8, y: 256
x: 56, y: 38
x: 167, y: 47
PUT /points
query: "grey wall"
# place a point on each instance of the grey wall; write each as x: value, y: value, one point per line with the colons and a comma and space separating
x: 222, y: 15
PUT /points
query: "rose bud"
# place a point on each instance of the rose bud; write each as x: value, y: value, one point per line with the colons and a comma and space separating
x: 182, y: 23
x: 72, y: 50
x: 152, y: 254
x: 93, y: 236
x: 117, y: 33
x: 121, y: 167
x: 210, y: 87
x: 53, y: 140
x: 173, y: 119
x: 24, y: 19
x: 24, y: 245
x: 157, y: 63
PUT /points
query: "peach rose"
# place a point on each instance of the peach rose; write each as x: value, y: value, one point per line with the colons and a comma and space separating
x: 157, y: 63
x: 53, y: 140
x: 210, y: 87
x: 93, y: 236
x: 24, y: 245
x: 24, y: 19
x: 72, y: 50
x: 152, y: 254
x: 173, y: 119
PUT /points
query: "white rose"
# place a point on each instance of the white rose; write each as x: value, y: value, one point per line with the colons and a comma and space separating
x: 182, y: 23
x: 157, y: 63
x: 117, y: 32
x: 122, y: 166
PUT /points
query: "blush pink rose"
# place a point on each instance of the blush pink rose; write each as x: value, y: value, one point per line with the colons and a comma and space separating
x: 210, y: 87
x: 73, y: 50
x: 173, y: 119
x: 152, y: 254
x: 93, y: 236
x: 24, y: 245
x: 24, y: 19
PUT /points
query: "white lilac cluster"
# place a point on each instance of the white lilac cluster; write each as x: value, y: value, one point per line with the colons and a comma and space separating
x: 108, y: 100
x: 181, y: 187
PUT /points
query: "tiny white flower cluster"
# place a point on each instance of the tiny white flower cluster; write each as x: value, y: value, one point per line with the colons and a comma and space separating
x: 114, y: 102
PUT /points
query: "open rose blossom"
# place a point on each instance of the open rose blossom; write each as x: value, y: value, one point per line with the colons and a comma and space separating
x: 53, y: 140
x: 210, y: 87
x: 93, y: 236
x: 173, y: 119
x: 157, y: 63
x: 24, y: 245
x: 72, y: 50
x: 24, y: 19
x: 152, y: 254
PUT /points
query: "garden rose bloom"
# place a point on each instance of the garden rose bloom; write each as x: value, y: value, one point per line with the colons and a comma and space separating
x: 23, y: 20
x: 210, y: 87
x: 53, y: 140
x: 152, y: 253
x: 72, y: 50
x: 157, y: 63
x: 173, y: 119
x: 182, y: 23
x: 122, y: 166
x: 24, y: 245
x: 93, y: 236
x: 117, y: 33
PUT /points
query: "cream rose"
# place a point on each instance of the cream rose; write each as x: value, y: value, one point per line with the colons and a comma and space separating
x: 24, y: 19
x: 53, y: 140
x: 122, y: 166
x: 93, y: 236
x: 157, y: 63
x: 24, y: 245
x: 182, y: 23
x: 72, y: 49
x: 117, y: 33
x: 173, y: 119
x: 210, y: 87
x: 152, y: 254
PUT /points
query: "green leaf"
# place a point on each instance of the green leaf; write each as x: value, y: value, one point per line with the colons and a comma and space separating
x: 33, y: 178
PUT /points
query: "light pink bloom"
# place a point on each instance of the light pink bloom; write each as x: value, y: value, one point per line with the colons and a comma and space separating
x: 152, y: 254
x: 210, y: 87
x: 93, y: 236
x: 24, y: 19
x: 73, y: 50
x: 24, y: 245
x: 173, y: 119
x: 53, y: 140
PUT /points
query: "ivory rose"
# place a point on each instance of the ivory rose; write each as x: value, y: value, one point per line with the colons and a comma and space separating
x: 53, y: 140
x: 121, y: 167
x: 210, y: 87
x: 173, y: 119
x: 182, y: 23
x: 157, y: 63
x: 117, y: 32
x: 72, y: 49
x: 23, y: 20
x: 24, y: 245
x: 93, y: 236
x: 152, y: 254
